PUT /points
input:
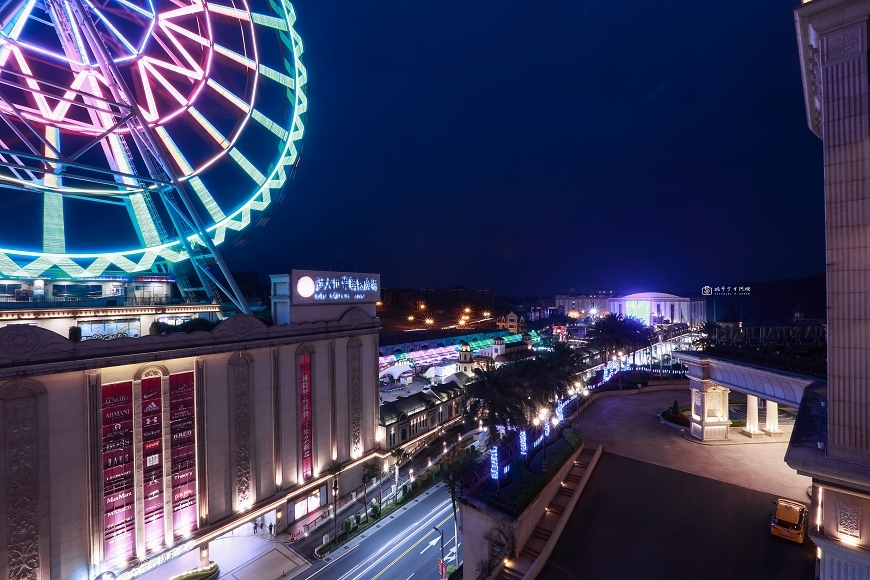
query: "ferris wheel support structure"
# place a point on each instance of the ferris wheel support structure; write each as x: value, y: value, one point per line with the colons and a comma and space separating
x: 143, y: 137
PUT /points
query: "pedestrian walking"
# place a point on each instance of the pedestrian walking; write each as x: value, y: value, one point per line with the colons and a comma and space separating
x: 270, y: 530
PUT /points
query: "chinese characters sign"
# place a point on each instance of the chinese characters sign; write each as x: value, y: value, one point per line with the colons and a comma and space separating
x: 305, y: 414
x: 312, y: 287
x: 725, y: 291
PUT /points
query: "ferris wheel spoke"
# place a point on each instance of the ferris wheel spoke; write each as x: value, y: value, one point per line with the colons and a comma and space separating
x: 199, y: 188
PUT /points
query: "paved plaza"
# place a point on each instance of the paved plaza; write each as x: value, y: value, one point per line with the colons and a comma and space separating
x: 630, y: 426
x: 239, y: 558
x: 638, y: 520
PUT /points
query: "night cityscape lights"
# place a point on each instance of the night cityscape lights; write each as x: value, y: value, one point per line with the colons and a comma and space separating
x: 493, y: 462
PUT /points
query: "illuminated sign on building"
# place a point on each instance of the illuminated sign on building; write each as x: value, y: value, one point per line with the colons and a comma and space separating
x: 524, y: 443
x: 183, y: 453
x: 152, y: 459
x: 305, y: 414
x: 315, y: 287
x: 493, y: 462
x: 118, y: 479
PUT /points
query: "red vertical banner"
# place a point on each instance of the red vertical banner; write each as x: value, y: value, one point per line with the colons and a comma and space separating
x: 118, y: 481
x: 183, y: 453
x: 305, y: 414
x: 152, y: 461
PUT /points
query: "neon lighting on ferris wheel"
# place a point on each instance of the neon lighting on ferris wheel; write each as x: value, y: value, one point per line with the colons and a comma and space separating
x: 52, y: 99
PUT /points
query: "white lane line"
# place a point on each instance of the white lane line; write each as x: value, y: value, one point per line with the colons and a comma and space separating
x: 405, y: 535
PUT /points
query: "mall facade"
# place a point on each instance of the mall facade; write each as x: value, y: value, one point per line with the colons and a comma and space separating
x: 120, y: 454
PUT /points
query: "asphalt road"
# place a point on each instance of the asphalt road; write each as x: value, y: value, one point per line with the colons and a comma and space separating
x: 419, y: 463
x: 639, y: 520
x: 404, y: 546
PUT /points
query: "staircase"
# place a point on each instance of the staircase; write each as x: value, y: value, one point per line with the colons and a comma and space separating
x: 516, y: 569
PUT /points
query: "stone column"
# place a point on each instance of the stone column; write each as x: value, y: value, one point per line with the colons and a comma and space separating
x: 844, y: 118
x: 203, y: 556
x: 751, y: 429
x: 772, y: 422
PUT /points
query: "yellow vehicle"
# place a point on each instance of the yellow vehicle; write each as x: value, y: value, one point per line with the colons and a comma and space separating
x: 789, y: 520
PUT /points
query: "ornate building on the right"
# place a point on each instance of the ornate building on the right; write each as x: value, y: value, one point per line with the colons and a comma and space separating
x: 831, y: 439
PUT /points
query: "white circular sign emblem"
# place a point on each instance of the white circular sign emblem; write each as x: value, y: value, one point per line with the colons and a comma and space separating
x: 305, y: 286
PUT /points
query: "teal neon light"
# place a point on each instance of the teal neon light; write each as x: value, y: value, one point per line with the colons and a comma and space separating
x: 24, y: 263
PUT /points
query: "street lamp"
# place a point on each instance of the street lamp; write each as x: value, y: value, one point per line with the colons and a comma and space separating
x: 335, y: 508
x: 442, y: 542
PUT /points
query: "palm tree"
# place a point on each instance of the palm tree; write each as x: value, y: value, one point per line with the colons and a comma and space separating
x: 369, y: 472
x: 501, y: 395
x: 608, y: 334
x: 334, y: 469
x: 635, y: 335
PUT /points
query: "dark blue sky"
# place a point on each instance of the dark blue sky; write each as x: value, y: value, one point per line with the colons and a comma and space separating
x: 533, y: 146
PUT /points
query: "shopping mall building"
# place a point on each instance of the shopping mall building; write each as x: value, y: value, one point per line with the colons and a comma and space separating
x: 120, y: 454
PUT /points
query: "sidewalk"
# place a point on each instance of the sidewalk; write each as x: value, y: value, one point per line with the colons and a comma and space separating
x: 239, y: 558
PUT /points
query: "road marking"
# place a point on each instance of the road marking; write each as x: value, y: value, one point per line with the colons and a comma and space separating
x: 411, y: 576
x: 432, y: 543
x: 405, y: 553
x: 333, y: 562
x: 387, y: 549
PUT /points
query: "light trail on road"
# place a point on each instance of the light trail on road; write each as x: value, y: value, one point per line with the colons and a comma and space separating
x: 405, y: 553
x: 362, y: 569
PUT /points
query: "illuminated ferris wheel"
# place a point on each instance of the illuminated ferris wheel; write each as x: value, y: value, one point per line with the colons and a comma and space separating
x: 180, y: 118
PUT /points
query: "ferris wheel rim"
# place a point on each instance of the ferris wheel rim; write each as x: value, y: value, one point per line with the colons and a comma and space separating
x: 238, y: 219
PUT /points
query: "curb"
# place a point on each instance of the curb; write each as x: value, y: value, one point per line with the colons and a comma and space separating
x: 664, y: 421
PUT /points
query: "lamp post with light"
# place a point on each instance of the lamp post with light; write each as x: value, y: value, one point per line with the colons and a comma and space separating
x: 442, y: 540
x: 544, y: 415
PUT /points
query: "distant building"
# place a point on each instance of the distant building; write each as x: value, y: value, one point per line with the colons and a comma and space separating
x: 409, y: 418
x: 512, y: 322
x: 661, y: 308
x: 581, y: 305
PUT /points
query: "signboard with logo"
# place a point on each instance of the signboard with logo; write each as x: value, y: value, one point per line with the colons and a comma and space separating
x: 118, y: 481
x: 183, y: 453
x: 152, y: 460
x: 315, y: 287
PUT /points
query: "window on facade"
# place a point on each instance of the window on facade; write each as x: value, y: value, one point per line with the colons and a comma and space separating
x: 404, y: 435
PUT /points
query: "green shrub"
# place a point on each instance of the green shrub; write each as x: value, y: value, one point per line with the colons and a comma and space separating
x: 572, y: 437
x: 195, y: 324
x: 75, y: 333
x: 524, y: 488
x: 158, y: 328
x: 738, y: 422
x: 375, y: 511
x: 675, y: 408
x: 348, y: 525
x: 198, y: 574
x: 356, y: 519
x: 404, y: 489
x: 685, y: 408
x: 450, y: 570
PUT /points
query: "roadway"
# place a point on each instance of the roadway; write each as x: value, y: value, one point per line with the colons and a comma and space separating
x: 403, y: 546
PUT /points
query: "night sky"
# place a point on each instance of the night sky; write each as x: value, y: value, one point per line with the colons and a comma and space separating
x: 530, y: 147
